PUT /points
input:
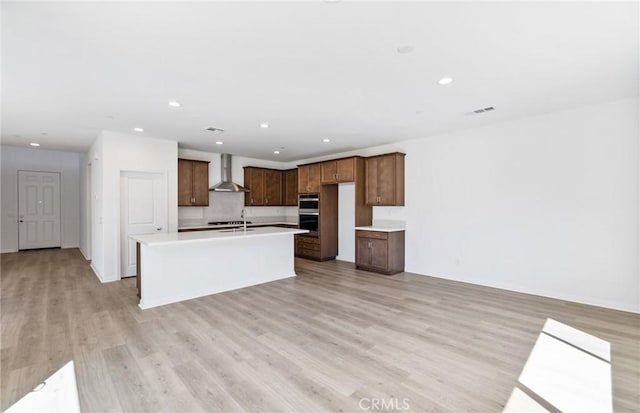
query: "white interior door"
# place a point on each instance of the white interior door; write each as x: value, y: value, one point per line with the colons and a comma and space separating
x: 143, y: 210
x: 39, y: 210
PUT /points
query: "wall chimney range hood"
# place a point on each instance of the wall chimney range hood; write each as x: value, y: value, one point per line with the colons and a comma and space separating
x: 226, y: 185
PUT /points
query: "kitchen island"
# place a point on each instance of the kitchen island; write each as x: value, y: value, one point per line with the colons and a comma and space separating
x: 180, y: 266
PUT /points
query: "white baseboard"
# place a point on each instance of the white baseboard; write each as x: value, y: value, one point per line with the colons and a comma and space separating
x: 546, y: 294
x: 84, y: 254
x: 8, y: 251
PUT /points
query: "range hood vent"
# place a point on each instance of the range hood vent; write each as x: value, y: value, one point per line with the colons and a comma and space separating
x: 226, y: 185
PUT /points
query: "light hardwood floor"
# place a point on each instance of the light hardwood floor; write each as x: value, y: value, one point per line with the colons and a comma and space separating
x: 318, y: 342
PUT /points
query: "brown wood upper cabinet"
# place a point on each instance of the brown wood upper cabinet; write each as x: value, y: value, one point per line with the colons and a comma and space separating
x: 290, y: 187
x: 309, y: 178
x: 272, y: 187
x: 254, y: 182
x: 264, y: 185
x: 193, y: 183
x: 340, y: 170
x: 385, y: 180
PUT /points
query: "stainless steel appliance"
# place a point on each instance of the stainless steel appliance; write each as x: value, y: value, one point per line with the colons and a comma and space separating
x: 226, y: 184
x: 225, y: 223
x: 309, y: 213
x: 309, y: 202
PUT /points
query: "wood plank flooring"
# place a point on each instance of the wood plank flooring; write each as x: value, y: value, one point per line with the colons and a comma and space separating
x: 315, y: 343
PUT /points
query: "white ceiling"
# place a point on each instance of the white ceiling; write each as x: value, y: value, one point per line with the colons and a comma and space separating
x: 312, y: 70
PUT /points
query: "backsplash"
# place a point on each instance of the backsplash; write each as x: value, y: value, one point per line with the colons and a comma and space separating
x: 228, y: 206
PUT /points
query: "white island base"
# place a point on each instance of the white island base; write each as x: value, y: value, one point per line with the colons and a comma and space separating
x: 181, y: 266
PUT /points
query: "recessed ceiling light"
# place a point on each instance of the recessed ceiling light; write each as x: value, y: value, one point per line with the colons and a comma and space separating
x: 34, y: 144
x: 445, y: 81
x: 405, y: 48
x: 325, y: 140
x: 276, y: 152
x: 175, y: 104
x: 218, y: 142
x: 138, y: 129
x: 264, y: 125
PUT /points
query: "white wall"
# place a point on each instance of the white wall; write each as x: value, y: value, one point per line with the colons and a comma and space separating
x: 110, y: 154
x: 85, y: 229
x: 547, y: 205
x: 346, y: 222
x: 32, y: 159
x: 228, y: 205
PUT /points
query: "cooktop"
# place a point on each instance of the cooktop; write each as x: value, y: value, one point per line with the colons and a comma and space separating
x: 227, y: 222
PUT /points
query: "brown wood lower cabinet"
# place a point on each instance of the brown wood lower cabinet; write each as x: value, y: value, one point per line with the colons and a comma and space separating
x: 307, y: 247
x: 379, y: 251
x: 313, y: 248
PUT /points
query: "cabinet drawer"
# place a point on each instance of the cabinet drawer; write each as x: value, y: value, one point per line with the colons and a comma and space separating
x: 372, y: 234
x: 309, y: 246
x: 308, y: 240
x: 307, y: 253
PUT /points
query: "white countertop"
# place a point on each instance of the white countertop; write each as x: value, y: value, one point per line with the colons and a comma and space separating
x: 381, y: 228
x: 167, y: 238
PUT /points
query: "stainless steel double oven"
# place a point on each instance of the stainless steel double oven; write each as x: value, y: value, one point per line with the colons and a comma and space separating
x: 309, y: 213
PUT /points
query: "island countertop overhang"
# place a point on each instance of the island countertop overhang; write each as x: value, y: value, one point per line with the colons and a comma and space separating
x: 169, y: 238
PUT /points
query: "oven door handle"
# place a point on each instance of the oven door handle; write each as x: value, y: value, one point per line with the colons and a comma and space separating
x: 309, y: 213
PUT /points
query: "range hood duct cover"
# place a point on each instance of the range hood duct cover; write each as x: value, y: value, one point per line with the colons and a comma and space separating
x: 226, y: 185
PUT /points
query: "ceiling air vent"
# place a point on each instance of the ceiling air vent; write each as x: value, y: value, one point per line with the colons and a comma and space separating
x: 215, y: 130
x: 481, y: 110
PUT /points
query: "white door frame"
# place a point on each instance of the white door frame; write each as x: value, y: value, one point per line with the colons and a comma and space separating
x: 118, y: 194
x: 60, y: 187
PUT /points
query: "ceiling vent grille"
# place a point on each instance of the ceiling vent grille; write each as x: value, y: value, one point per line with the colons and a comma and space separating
x: 215, y: 130
x: 481, y: 110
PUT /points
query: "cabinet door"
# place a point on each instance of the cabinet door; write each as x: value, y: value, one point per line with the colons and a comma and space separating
x: 200, y: 183
x: 290, y: 187
x: 371, y: 178
x: 303, y: 179
x: 254, y: 183
x: 185, y: 182
x: 363, y: 252
x: 314, y: 178
x: 272, y: 187
x: 387, y: 180
x: 328, y: 171
x: 345, y: 170
x: 379, y: 253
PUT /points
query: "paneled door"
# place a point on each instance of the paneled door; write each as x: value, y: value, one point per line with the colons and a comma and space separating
x: 143, y: 210
x: 39, y: 210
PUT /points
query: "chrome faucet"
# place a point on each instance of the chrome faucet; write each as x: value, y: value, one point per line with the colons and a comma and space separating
x: 244, y: 220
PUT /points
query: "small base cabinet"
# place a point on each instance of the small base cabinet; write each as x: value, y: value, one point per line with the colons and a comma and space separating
x: 381, y: 252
